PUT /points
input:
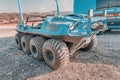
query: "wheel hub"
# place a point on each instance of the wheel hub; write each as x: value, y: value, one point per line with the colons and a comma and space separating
x: 50, y: 56
x: 34, y: 50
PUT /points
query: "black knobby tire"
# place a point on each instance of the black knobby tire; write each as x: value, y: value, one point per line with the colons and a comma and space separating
x: 55, y: 53
x: 90, y: 45
x: 36, y: 45
x: 25, y: 42
x: 18, y: 41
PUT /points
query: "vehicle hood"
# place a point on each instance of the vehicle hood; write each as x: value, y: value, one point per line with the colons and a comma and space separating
x: 68, y: 20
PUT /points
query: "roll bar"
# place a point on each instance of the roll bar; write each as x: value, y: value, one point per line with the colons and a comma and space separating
x: 21, y: 12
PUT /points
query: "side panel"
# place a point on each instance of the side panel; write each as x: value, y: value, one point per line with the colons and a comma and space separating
x: 82, y: 6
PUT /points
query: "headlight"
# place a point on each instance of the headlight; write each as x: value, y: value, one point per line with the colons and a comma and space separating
x: 71, y: 27
x: 94, y: 26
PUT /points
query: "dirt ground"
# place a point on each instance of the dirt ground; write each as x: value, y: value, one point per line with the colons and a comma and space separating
x: 101, y: 63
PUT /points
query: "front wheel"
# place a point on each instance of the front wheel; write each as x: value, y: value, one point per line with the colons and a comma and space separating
x: 90, y: 45
x: 55, y: 53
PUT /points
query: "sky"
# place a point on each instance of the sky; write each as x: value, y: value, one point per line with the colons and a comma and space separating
x: 35, y: 5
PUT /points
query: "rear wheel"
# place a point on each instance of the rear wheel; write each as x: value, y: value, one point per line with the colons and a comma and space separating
x: 25, y: 42
x: 55, y: 53
x: 36, y: 45
x: 90, y: 45
x: 18, y: 41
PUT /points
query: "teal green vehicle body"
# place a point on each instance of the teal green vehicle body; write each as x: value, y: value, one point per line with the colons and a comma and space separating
x: 58, y: 26
x: 67, y: 25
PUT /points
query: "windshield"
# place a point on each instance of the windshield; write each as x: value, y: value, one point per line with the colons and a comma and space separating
x: 66, y: 6
x: 47, y: 6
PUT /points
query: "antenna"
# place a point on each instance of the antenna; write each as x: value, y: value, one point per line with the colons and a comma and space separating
x: 21, y: 13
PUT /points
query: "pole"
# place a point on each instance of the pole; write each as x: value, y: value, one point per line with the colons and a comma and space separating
x: 58, y: 10
x: 21, y: 13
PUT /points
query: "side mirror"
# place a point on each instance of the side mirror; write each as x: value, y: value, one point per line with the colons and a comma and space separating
x: 91, y: 13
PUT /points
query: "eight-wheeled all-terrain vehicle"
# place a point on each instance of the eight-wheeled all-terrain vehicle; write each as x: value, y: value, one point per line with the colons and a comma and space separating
x: 57, y: 38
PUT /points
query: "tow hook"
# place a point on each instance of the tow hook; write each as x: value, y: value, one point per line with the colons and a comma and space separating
x: 83, y: 43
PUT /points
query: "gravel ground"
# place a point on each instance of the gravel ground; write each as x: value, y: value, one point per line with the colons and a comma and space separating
x: 101, y: 63
x: 82, y: 71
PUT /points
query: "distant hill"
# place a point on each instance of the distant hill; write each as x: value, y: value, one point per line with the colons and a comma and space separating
x: 8, y: 18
